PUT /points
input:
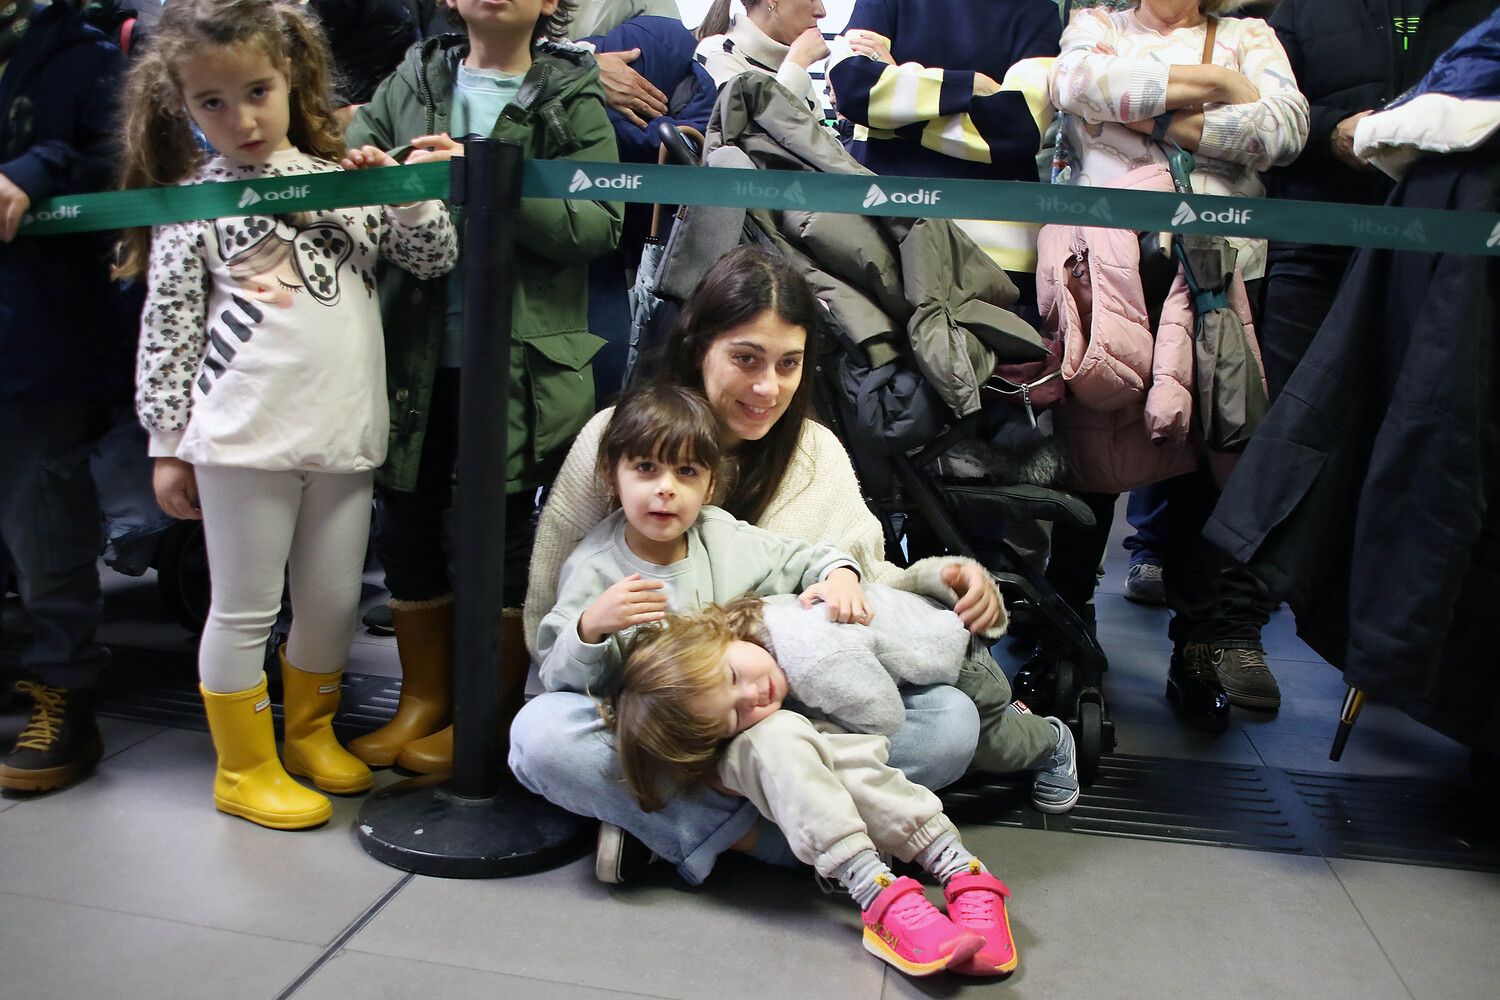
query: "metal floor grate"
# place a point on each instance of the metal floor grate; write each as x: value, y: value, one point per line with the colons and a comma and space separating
x: 1243, y: 806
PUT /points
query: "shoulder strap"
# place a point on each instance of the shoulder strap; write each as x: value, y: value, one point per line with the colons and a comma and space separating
x: 1208, y: 40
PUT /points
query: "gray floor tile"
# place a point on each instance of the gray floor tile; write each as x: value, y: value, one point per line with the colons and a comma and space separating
x: 1176, y: 741
x: 1437, y: 925
x: 59, y: 951
x: 1375, y: 752
x: 751, y: 932
x: 1108, y: 917
x: 142, y: 836
x: 380, y: 977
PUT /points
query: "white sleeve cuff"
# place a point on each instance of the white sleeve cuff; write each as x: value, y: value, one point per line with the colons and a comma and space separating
x: 164, y: 444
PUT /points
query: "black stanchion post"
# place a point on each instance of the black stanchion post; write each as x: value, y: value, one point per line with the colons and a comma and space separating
x: 477, y: 826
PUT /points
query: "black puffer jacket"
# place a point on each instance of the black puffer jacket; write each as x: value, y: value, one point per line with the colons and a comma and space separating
x: 59, y: 314
x: 1346, y: 61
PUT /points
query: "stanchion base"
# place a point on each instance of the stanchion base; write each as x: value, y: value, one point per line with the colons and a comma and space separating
x: 421, y: 826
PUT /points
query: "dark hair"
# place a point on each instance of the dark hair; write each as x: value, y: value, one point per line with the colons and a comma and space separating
x: 746, y: 282
x: 671, y: 423
x: 158, y: 146
x: 716, y: 21
x: 553, y: 27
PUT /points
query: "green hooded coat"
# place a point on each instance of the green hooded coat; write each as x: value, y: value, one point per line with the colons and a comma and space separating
x: 559, y: 114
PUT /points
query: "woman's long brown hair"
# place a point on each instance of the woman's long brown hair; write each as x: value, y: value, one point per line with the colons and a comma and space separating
x: 746, y: 282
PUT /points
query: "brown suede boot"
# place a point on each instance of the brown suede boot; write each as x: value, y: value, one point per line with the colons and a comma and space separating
x: 434, y: 755
x: 424, y: 640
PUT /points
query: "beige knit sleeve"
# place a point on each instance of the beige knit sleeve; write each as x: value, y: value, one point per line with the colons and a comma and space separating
x: 578, y: 501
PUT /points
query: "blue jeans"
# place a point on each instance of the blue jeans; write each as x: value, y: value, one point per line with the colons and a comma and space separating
x: 560, y: 749
x: 49, y: 520
x: 1146, y: 510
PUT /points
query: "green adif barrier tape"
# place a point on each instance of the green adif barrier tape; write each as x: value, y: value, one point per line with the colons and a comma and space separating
x: 1014, y: 201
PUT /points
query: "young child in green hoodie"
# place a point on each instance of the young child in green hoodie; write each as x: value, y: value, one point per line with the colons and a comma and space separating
x: 509, y: 79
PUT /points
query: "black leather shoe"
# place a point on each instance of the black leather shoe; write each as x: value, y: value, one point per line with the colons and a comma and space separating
x: 1193, y: 688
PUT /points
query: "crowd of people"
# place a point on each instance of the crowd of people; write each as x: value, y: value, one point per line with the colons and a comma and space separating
x: 727, y: 650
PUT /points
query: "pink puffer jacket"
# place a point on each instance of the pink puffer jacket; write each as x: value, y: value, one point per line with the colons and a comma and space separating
x: 1128, y: 414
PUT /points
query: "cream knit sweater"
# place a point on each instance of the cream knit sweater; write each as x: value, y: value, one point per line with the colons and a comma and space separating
x: 819, y: 500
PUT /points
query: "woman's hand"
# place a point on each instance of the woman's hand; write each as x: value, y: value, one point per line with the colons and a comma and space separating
x: 13, y: 205
x: 176, y: 489
x: 625, y: 90
x: 807, y: 48
x: 1234, y: 87
x: 363, y: 157
x: 985, y: 86
x: 867, y: 43
x: 844, y: 596
x: 632, y: 601
x: 979, y: 603
x: 434, y: 149
x: 1341, y: 141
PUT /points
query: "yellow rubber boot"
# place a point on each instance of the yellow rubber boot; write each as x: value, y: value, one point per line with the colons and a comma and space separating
x: 310, y: 748
x: 424, y: 640
x: 250, y: 781
x: 434, y: 754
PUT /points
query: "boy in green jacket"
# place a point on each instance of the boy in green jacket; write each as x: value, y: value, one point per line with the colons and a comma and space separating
x: 508, y: 80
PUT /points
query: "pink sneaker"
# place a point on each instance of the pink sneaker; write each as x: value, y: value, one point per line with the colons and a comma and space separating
x: 977, y: 902
x: 904, y: 929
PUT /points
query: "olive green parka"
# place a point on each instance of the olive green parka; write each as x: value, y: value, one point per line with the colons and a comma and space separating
x: 558, y: 114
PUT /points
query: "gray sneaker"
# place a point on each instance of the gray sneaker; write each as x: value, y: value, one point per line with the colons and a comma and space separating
x: 1055, y: 787
x: 1246, y: 678
x: 1143, y: 585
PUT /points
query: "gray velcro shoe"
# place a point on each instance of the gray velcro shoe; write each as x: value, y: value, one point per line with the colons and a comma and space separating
x: 1055, y: 787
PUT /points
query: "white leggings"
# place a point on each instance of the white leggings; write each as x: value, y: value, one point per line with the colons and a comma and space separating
x: 312, y: 525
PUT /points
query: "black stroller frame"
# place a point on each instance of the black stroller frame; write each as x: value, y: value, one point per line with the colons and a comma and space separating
x: 1072, y: 688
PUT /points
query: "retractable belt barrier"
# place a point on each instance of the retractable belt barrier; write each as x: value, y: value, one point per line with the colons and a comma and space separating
x: 1011, y: 201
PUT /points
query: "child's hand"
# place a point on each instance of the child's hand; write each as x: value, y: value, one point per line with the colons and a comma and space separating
x: 13, y: 205
x: 632, y: 601
x: 978, y: 604
x: 843, y: 595
x: 434, y: 149
x: 176, y: 489
x: 367, y: 156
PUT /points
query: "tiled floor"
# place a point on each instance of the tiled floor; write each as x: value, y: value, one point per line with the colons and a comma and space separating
x: 132, y: 886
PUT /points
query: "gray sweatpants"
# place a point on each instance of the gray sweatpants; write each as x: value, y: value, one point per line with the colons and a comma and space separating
x: 831, y: 792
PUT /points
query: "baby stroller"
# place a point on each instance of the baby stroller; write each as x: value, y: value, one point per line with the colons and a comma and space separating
x: 903, y: 455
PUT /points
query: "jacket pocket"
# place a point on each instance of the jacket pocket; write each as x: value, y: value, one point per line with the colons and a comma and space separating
x: 560, y: 387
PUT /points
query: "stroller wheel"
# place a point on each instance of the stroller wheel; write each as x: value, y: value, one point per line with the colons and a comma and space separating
x: 1090, y: 740
x: 1063, y: 690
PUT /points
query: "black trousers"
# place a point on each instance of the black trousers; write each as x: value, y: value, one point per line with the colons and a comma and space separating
x: 1212, y: 598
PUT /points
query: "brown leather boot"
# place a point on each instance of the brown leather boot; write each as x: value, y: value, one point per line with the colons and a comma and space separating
x: 424, y: 640
x: 434, y: 755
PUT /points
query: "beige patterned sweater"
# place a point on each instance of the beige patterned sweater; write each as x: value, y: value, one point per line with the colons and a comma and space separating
x: 819, y: 501
x: 1114, y: 69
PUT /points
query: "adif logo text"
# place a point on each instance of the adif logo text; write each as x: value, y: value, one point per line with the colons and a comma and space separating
x: 1414, y: 231
x: 1056, y: 204
x: 60, y: 212
x: 623, y: 182
x: 921, y: 196
x: 249, y: 197
x: 752, y: 189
